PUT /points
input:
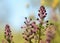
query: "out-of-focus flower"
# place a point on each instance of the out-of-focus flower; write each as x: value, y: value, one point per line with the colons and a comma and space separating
x: 8, y: 35
x: 50, y: 33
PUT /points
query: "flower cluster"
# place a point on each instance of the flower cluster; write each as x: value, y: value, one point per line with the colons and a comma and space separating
x: 42, y: 12
x: 8, y: 35
x: 27, y: 33
x: 30, y: 31
x: 34, y: 26
x: 35, y: 31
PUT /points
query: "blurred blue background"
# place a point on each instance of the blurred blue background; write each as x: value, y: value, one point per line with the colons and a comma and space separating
x: 12, y: 12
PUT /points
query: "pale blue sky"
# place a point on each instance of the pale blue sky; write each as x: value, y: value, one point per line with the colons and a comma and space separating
x: 15, y: 11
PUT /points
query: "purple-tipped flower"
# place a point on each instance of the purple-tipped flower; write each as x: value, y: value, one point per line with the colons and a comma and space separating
x: 8, y: 35
x: 42, y: 12
x: 27, y: 33
x: 33, y: 24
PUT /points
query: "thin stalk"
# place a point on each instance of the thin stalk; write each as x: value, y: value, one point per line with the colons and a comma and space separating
x: 30, y: 41
x: 39, y: 35
x: 40, y: 27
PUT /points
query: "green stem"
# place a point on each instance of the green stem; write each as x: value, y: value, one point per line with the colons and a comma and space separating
x: 40, y: 26
x: 39, y: 35
x: 9, y: 41
x: 30, y: 41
